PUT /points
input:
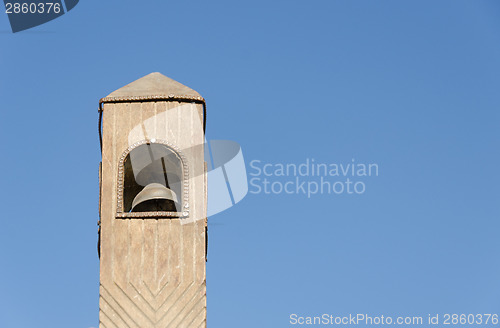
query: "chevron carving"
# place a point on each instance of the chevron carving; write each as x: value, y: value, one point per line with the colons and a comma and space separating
x: 157, y: 276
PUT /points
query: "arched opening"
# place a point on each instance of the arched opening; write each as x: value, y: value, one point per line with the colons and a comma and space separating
x: 152, y: 179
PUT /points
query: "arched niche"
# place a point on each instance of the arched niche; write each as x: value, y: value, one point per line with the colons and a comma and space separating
x: 152, y: 163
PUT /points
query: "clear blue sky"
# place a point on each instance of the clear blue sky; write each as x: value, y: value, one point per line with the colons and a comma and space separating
x: 410, y: 85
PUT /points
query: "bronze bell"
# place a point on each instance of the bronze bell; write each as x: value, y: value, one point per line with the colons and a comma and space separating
x: 155, y: 197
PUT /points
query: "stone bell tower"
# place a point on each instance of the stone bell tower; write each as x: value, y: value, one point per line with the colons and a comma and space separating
x: 153, y: 204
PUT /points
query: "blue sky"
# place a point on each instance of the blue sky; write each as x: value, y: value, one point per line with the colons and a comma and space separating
x: 409, y: 85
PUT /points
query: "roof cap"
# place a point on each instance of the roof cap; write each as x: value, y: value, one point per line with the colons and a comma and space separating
x: 153, y: 86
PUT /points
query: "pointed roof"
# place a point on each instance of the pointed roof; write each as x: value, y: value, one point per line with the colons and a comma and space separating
x: 153, y: 86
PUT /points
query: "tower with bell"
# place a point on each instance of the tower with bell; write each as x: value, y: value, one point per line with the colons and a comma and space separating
x: 152, y: 206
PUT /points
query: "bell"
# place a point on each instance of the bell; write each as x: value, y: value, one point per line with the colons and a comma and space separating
x: 155, y: 197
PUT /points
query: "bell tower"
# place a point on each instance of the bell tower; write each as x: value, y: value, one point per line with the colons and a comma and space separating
x: 152, y: 206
